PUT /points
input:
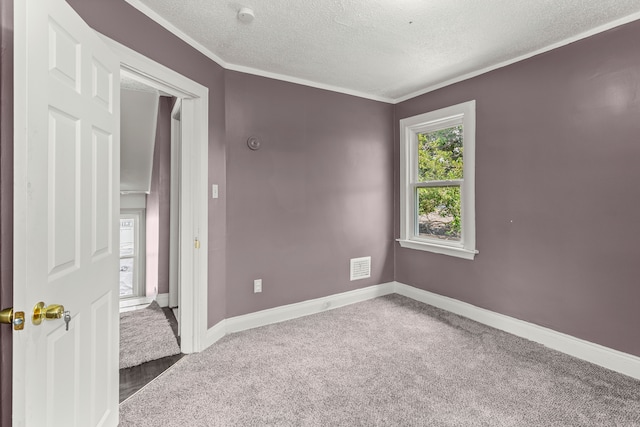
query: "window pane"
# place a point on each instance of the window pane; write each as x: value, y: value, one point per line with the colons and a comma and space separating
x: 438, y: 213
x: 440, y: 154
x: 127, y: 236
x: 126, y: 277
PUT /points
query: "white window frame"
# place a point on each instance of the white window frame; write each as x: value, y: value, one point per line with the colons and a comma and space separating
x: 465, y: 114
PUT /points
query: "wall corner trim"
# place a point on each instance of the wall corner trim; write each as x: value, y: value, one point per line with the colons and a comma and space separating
x: 615, y: 360
x: 215, y: 333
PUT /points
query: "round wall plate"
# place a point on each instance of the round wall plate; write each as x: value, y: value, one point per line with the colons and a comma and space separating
x: 253, y: 142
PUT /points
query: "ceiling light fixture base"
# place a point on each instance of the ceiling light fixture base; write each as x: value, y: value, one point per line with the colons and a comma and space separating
x: 245, y: 15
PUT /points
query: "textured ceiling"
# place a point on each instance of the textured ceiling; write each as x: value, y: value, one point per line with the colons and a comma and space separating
x: 129, y: 83
x: 382, y: 49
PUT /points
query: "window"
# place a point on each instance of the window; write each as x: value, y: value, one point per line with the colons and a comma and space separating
x: 131, y: 250
x: 437, y: 189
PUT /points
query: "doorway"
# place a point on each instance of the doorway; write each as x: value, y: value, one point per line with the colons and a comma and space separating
x: 149, y: 233
x: 192, y: 155
x: 146, y: 193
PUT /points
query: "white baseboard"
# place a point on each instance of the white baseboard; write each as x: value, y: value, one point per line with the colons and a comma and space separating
x: 163, y: 300
x: 294, y: 311
x: 609, y: 358
x: 305, y: 308
x: 215, y: 333
x: 131, y: 303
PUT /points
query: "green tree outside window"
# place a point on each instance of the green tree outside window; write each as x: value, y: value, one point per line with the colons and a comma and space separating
x: 440, y: 158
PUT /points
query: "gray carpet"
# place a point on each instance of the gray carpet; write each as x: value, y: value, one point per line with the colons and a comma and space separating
x: 145, y: 335
x: 390, y: 361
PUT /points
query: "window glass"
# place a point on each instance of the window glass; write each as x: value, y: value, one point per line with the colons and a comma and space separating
x: 128, y: 256
x: 126, y: 277
x: 127, y: 236
x: 438, y: 213
x: 440, y: 154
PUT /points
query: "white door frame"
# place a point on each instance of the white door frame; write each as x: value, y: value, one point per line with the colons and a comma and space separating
x: 194, y: 184
x: 174, y: 207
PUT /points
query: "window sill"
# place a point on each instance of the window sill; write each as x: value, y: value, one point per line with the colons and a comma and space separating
x: 438, y: 249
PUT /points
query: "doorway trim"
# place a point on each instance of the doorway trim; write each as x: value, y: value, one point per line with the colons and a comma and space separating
x: 174, y: 205
x: 193, y: 186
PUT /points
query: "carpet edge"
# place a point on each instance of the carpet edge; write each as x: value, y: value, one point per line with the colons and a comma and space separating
x: 597, y: 354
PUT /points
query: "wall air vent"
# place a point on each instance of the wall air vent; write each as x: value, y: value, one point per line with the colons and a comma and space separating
x: 360, y: 268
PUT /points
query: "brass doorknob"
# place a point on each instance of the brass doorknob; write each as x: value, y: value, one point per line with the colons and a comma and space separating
x: 54, y: 311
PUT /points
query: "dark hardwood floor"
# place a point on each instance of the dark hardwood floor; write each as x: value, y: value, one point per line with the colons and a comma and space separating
x: 134, y: 378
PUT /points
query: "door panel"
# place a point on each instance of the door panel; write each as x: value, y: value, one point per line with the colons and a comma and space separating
x: 102, y: 81
x: 67, y: 157
x: 64, y: 56
x: 63, y: 152
x: 63, y: 376
x: 102, y: 382
x: 102, y: 180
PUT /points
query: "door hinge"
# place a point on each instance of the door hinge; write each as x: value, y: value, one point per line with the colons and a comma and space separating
x: 197, y: 244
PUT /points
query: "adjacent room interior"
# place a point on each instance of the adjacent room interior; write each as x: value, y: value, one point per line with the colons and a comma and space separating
x: 149, y: 232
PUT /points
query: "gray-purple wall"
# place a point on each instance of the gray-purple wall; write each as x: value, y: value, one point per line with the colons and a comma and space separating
x: 318, y: 192
x: 125, y: 24
x: 158, y: 204
x: 6, y: 203
x: 557, y: 196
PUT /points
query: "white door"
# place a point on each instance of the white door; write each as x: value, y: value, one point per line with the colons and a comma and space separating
x: 67, y: 159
